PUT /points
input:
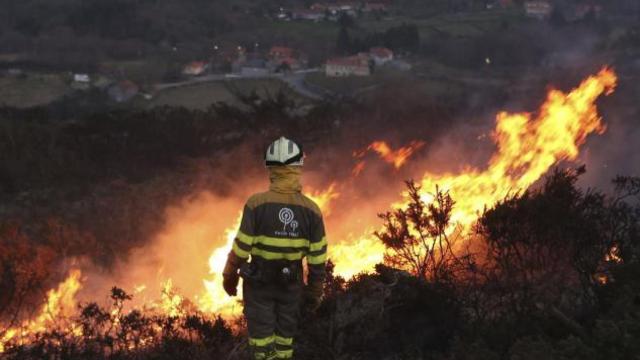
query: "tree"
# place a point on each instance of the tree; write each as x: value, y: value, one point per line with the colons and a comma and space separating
x: 557, y: 17
x: 346, y: 21
x: 417, y: 237
x: 343, y: 43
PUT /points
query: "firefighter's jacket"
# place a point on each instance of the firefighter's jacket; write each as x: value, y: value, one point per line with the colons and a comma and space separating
x: 282, y: 224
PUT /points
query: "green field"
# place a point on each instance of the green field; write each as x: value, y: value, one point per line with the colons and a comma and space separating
x: 141, y: 72
x: 458, y: 25
x: 201, y: 96
x: 348, y: 85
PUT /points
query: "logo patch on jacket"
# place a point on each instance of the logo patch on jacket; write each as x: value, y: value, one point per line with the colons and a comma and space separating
x: 287, y: 218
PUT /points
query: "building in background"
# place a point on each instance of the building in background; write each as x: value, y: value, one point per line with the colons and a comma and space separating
x: 282, y: 58
x: 254, y: 67
x: 538, y: 9
x: 357, y: 65
x: 195, y: 68
x: 374, y: 7
x: 123, y: 91
x: 308, y: 14
x: 380, y: 55
x: 81, y: 82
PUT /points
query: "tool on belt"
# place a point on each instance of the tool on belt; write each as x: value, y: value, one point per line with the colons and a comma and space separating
x: 273, y: 272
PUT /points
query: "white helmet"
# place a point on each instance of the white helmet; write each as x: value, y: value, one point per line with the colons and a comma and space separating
x: 284, y: 152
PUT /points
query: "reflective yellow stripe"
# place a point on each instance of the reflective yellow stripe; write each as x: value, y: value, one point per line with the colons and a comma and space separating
x: 267, y: 356
x: 284, y: 354
x: 282, y: 242
x: 245, y: 238
x: 262, y: 342
x: 239, y: 252
x: 268, y: 255
x: 284, y: 341
x: 317, y: 260
x: 319, y: 245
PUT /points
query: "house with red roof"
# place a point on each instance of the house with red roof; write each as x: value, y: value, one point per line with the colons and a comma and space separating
x: 283, y: 57
x: 123, y: 91
x: 357, y: 65
x: 374, y: 7
x: 308, y: 14
x: 280, y: 52
x: 380, y: 55
x: 195, y: 68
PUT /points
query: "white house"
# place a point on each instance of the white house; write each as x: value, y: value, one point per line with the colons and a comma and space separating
x: 539, y: 9
x: 81, y: 78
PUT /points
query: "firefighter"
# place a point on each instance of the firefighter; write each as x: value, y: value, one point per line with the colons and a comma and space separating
x: 279, y: 228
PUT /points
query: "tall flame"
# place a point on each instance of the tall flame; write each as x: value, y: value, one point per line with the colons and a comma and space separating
x: 214, y: 298
x: 527, y: 147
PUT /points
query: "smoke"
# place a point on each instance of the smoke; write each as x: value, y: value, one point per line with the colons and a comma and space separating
x: 615, y: 152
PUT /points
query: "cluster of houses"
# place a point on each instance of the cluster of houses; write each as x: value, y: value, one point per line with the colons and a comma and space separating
x: 282, y: 59
x: 542, y: 9
x: 279, y: 59
x: 245, y: 64
x: 361, y: 64
x: 118, y: 91
x: 333, y: 11
x: 538, y: 9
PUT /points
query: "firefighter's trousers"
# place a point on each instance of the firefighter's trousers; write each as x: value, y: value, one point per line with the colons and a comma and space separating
x: 272, y: 312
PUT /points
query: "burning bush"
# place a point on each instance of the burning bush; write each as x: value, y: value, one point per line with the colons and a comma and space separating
x: 97, y: 332
x: 418, y: 237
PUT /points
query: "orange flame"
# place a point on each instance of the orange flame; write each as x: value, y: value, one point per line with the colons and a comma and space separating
x: 324, y: 198
x: 527, y: 147
x: 61, y: 303
x: 397, y: 158
x: 214, y: 298
x: 171, y: 302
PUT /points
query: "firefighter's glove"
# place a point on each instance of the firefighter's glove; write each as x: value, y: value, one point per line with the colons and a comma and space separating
x: 230, y: 276
x: 230, y: 283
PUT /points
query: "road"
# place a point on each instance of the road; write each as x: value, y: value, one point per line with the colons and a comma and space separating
x: 296, y: 80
